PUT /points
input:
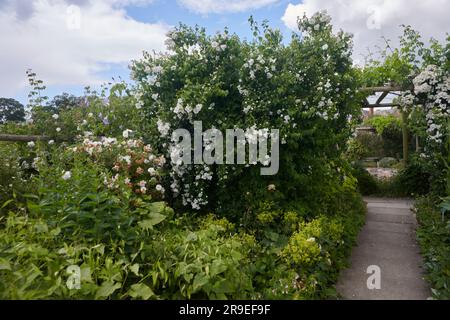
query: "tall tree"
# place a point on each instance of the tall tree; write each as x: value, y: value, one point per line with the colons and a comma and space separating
x: 11, y: 110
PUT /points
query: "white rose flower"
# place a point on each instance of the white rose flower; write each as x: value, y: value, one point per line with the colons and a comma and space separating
x: 67, y: 175
x: 160, y: 188
x: 126, y: 133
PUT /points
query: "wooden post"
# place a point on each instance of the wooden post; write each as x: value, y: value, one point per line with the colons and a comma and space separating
x: 22, y: 138
x: 405, y: 133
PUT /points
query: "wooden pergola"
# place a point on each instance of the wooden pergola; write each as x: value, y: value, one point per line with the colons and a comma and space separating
x: 379, y: 103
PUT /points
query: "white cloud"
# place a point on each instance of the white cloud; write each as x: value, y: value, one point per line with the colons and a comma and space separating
x: 220, y: 6
x: 369, y: 20
x: 65, y: 48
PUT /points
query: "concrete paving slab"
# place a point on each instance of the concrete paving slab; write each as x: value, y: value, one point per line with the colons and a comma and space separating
x: 387, y: 241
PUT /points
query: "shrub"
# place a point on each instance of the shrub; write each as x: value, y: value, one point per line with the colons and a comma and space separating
x: 306, y: 88
x: 414, y: 178
x: 367, y: 184
x: 371, y: 143
x: 318, y: 250
x: 389, y: 130
x: 433, y: 234
x: 387, y: 162
x: 18, y: 166
x: 382, y: 123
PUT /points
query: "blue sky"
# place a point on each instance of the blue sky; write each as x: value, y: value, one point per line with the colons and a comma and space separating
x: 74, y: 43
x: 171, y: 12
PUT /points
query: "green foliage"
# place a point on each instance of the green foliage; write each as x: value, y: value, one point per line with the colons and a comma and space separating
x: 390, y: 129
x: 433, y: 235
x: 415, y: 177
x: 386, y: 143
x: 381, y: 123
x: 11, y: 111
x: 388, y: 162
x: 306, y: 88
x: 96, y: 200
x: 370, y: 143
x: 127, y: 246
x: 367, y: 184
x: 15, y: 171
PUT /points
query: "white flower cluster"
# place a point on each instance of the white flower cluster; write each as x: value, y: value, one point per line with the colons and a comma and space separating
x: 195, y: 197
x: 139, y: 102
x: 188, y: 111
x: 316, y: 22
x: 432, y: 93
x: 93, y: 147
x: 217, y: 46
x: 257, y: 63
x: 163, y: 127
x: 425, y: 81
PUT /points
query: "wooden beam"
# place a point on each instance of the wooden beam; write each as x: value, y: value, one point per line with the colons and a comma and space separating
x: 22, y: 138
x: 366, y: 102
x: 386, y: 88
x: 405, y: 134
x: 380, y: 99
x: 382, y: 105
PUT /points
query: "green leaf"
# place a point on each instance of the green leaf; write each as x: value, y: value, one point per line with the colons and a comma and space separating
x: 55, y: 231
x: 85, y: 275
x: 6, y: 203
x: 135, y: 269
x: 191, y: 237
x: 154, y: 219
x: 217, y: 267
x: 157, y: 207
x: 41, y: 228
x: 100, y: 248
x: 4, y: 264
x: 106, y: 289
x: 140, y: 290
x: 199, y: 281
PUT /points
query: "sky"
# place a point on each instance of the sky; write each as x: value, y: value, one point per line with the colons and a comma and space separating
x: 71, y: 44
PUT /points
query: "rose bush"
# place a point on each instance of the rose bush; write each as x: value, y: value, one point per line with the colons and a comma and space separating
x: 307, y: 89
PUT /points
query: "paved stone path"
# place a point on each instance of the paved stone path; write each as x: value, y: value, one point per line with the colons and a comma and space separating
x: 388, y: 241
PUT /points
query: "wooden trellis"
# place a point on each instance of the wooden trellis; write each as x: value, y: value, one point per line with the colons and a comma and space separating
x: 385, y: 91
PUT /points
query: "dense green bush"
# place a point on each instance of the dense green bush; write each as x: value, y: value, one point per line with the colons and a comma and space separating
x: 16, y: 169
x: 385, y: 142
x: 414, y: 178
x: 371, y: 143
x: 434, y: 238
x: 367, y: 184
x: 388, y: 162
x: 382, y: 122
x: 306, y: 88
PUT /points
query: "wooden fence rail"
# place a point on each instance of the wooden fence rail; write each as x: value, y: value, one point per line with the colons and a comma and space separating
x: 22, y: 138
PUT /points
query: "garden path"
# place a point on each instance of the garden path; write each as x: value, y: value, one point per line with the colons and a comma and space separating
x: 388, y: 241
